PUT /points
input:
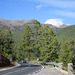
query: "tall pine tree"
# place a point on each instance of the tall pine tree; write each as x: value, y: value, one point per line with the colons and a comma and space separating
x: 26, y: 42
x: 36, y: 37
x: 49, y: 46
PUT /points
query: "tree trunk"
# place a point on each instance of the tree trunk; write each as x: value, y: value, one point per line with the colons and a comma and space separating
x: 28, y: 57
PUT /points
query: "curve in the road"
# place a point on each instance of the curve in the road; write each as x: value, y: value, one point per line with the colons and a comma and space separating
x: 23, y: 69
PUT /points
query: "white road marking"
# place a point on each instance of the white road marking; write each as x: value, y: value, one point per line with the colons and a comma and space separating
x: 24, y: 68
x: 16, y: 70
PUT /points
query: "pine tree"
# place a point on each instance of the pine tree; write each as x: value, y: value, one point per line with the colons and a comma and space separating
x: 26, y: 42
x: 36, y: 37
x: 49, y: 45
x: 67, y: 51
x: 64, y: 52
x: 1, y: 40
x: 71, y: 45
x: 6, y: 43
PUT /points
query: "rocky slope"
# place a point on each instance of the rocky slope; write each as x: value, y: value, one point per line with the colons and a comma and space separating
x: 63, y: 26
x: 15, y: 22
x: 12, y: 24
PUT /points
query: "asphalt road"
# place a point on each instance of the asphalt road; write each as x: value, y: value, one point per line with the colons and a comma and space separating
x: 24, y: 69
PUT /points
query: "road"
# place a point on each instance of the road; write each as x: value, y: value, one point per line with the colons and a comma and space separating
x: 24, y: 69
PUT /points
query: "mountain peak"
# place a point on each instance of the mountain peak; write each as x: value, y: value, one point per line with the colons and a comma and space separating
x: 15, y: 22
x: 63, y: 26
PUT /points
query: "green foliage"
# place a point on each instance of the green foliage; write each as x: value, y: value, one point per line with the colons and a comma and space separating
x: 71, y: 46
x: 26, y: 44
x: 38, y: 42
x: 41, y: 42
x: 6, y: 42
x: 49, y: 44
x: 36, y: 34
x: 64, y: 52
x: 36, y: 22
x: 67, y: 51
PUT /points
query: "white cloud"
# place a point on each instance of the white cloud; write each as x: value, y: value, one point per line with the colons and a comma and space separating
x: 40, y: 6
x: 66, y: 13
x: 69, y: 14
x: 55, y: 22
x: 58, y: 3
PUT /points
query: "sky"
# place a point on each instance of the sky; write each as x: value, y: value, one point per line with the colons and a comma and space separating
x: 56, y: 12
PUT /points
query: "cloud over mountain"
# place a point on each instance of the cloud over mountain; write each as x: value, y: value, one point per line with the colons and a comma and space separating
x: 55, y: 22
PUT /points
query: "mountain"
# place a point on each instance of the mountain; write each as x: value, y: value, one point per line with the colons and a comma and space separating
x: 66, y: 32
x: 15, y: 22
x: 17, y: 26
x: 63, y: 26
x: 52, y: 26
x: 11, y: 24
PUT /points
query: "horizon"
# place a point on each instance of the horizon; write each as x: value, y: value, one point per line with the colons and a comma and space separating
x: 37, y: 20
x: 46, y: 12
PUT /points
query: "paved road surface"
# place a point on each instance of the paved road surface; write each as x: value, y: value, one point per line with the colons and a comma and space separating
x: 24, y: 69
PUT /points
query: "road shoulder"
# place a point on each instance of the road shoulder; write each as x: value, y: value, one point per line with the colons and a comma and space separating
x: 49, y: 70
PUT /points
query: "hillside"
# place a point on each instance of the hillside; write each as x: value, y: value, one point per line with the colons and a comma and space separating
x: 17, y: 26
x: 65, y: 32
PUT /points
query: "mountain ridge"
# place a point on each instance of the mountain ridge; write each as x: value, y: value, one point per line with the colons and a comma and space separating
x: 11, y: 24
x: 64, y: 31
x: 15, y: 22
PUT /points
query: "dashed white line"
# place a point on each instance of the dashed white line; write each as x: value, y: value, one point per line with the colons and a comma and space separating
x: 24, y: 68
x: 16, y: 70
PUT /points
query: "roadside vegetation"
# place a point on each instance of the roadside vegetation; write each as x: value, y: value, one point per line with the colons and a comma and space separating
x: 6, y: 47
x: 37, y: 42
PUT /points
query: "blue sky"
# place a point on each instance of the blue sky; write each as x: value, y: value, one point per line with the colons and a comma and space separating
x: 45, y: 11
